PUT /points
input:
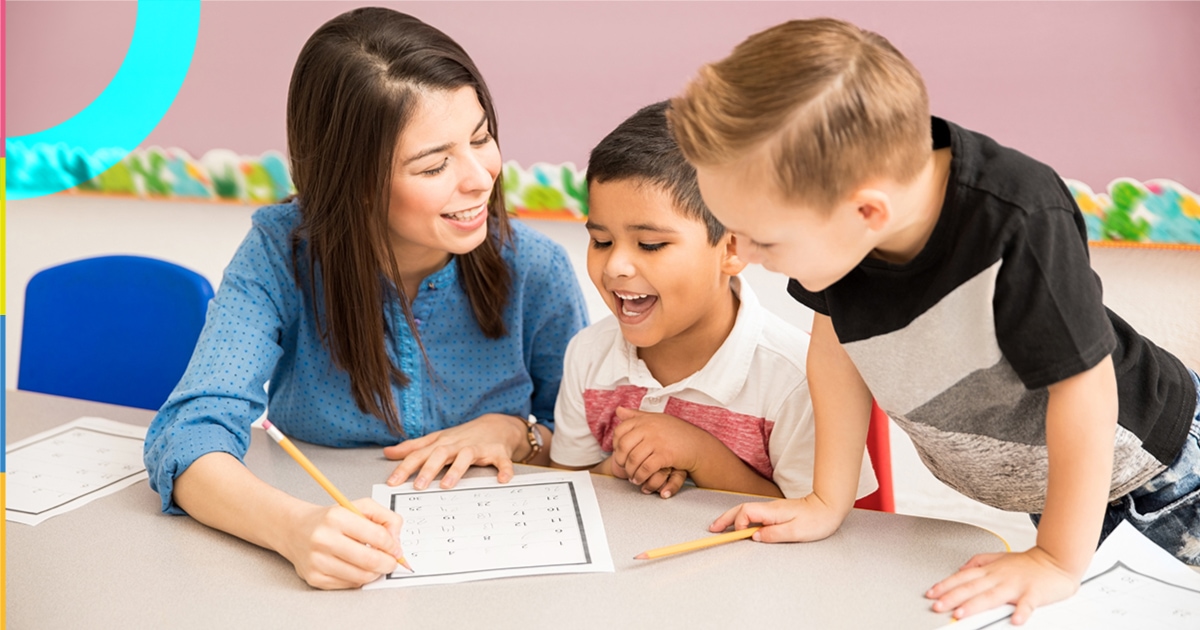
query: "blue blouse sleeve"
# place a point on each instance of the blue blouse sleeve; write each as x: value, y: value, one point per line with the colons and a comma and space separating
x: 222, y: 391
x: 554, y: 311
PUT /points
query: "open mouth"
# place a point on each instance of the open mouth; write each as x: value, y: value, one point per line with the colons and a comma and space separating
x: 633, y: 307
x: 467, y: 217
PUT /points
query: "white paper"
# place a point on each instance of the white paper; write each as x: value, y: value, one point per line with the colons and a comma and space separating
x: 535, y: 524
x: 71, y: 465
x: 1131, y: 583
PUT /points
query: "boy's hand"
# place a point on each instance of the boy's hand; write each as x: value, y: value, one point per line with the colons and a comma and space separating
x: 1027, y: 580
x: 786, y: 520
x: 665, y: 482
x: 645, y: 443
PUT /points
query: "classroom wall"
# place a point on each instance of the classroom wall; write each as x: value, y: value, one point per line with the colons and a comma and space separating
x: 1097, y: 89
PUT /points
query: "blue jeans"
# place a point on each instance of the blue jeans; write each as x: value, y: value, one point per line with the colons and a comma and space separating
x: 1167, y: 508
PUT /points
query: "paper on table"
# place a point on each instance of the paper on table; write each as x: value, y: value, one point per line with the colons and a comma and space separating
x: 56, y: 471
x: 535, y: 524
x: 1131, y: 582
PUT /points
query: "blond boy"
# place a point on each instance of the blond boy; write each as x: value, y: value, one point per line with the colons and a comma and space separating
x: 950, y: 278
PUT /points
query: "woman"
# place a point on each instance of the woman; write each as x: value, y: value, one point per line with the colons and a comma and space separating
x: 391, y: 299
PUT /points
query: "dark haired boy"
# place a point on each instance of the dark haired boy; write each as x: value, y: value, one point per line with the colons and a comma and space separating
x: 691, y: 376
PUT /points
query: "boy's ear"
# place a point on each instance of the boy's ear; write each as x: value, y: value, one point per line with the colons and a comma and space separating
x: 731, y: 265
x: 874, y: 206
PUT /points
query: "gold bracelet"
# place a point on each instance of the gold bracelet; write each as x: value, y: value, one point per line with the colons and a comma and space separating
x: 534, y: 437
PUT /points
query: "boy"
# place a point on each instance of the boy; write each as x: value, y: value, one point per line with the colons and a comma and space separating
x: 691, y: 377
x: 953, y: 284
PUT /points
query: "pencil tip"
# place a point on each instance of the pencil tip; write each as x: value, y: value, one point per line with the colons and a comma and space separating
x: 641, y: 556
x: 404, y: 563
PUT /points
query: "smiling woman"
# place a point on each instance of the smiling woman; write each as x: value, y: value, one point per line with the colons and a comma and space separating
x: 390, y: 299
x: 447, y: 163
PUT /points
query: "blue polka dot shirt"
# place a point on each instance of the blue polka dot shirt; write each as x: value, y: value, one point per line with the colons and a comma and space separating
x: 261, y: 327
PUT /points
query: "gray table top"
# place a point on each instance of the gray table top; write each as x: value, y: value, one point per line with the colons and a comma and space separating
x: 119, y: 563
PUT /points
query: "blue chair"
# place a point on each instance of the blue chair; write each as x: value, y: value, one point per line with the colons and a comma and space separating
x: 114, y: 329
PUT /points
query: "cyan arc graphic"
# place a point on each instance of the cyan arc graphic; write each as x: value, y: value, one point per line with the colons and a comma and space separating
x: 120, y: 118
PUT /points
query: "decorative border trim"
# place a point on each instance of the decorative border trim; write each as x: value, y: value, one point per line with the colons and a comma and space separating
x: 546, y: 191
x: 220, y: 175
x: 1158, y: 213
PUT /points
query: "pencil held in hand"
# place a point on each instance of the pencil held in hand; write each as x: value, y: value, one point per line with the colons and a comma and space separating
x: 316, y: 474
x: 701, y: 543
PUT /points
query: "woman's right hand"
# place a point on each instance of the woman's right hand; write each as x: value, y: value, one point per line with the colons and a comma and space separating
x: 334, y: 548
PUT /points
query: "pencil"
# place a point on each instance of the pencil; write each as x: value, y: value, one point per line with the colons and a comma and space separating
x: 701, y: 543
x: 320, y: 478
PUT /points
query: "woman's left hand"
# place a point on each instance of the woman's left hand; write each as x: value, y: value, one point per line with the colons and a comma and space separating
x: 490, y: 440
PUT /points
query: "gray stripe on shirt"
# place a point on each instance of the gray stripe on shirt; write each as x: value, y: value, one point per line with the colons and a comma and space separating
x: 954, y: 338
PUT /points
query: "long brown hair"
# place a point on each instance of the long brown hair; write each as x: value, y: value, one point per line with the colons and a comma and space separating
x: 353, y: 91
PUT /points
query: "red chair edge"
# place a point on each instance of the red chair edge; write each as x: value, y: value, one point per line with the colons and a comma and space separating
x: 880, y: 450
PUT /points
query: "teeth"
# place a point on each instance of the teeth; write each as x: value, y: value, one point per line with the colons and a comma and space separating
x: 629, y: 313
x: 466, y: 215
x: 630, y: 296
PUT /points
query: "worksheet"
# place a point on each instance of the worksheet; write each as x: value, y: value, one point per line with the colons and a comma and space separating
x: 71, y: 465
x: 1131, y: 583
x: 535, y: 524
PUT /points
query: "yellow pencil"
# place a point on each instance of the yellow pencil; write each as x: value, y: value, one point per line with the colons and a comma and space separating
x: 308, y: 466
x: 692, y: 545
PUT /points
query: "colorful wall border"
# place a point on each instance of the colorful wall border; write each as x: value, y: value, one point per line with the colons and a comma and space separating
x: 1158, y: 213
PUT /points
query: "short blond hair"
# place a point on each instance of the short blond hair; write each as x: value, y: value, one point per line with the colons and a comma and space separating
x: 833, y: 105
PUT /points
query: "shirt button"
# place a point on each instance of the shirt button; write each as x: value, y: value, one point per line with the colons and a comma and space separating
x: 430, y: 286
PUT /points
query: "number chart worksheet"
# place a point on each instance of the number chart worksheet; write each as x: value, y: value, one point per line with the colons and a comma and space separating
x: 535, y: 524
x: 68, y: 466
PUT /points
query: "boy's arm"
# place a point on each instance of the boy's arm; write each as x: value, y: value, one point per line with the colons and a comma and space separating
x: 574, y: 447
x: 841, y: 415
x: 1081, y: 420
x: 573, y: 440
x: 646, y: 444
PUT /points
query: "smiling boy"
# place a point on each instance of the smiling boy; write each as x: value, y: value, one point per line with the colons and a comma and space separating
x: 950, y: 279
x: 691, y: 376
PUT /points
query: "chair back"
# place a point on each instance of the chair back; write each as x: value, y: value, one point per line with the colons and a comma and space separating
x: 879, y: 448
x: 114, y: 329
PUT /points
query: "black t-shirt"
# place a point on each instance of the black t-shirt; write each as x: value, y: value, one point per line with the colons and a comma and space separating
x: 960, y: 343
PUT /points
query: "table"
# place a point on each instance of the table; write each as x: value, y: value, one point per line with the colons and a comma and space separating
x: 119, y: 563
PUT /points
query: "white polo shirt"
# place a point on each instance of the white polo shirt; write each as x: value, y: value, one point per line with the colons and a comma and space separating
x: 752, y: 395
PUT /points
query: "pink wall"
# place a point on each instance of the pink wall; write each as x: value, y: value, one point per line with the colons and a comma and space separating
x: 1097, y: 89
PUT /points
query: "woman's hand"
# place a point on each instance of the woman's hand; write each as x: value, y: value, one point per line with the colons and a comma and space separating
x: 330, y: 547
x: 490, y: 440
x: 334, y: 548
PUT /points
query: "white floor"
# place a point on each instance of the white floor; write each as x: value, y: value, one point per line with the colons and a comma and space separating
x: 203, y: 236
